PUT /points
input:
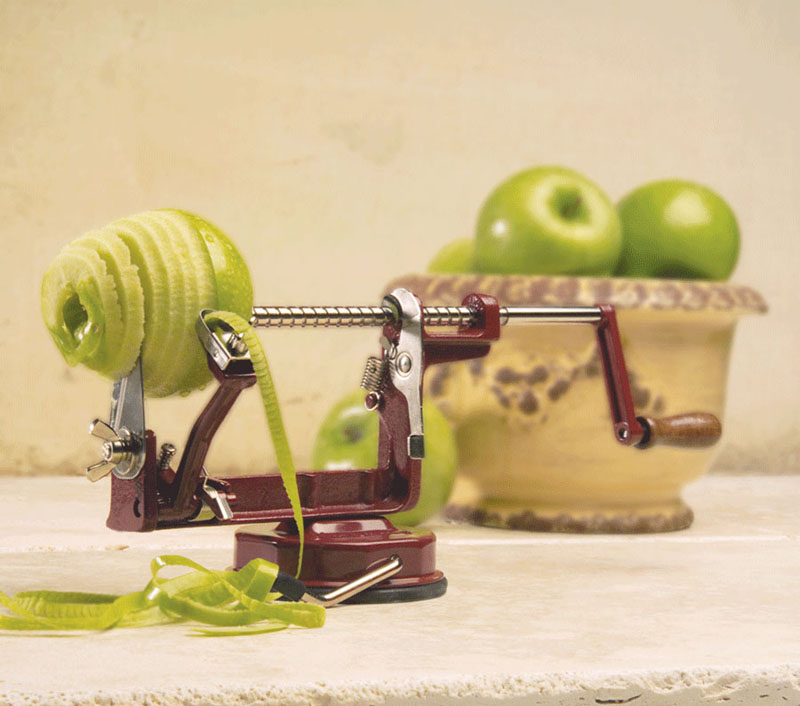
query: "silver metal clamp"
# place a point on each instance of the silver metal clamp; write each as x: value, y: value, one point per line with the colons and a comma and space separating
x: 123, y: 451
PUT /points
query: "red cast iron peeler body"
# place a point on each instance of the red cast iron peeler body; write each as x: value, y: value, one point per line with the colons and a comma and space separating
x: 346, y: 533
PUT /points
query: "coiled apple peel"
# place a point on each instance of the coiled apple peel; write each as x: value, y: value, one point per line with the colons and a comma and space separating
x: 134, y: 289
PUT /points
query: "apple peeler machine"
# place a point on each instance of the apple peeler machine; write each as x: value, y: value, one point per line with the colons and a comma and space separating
x: 352, y: 551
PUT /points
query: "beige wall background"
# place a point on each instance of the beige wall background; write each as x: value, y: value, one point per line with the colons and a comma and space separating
x: 341, y: 144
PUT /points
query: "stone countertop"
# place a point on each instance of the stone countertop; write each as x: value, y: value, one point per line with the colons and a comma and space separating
x: 706, y: 615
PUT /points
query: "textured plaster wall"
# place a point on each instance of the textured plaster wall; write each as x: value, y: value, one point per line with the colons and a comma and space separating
x: 341, y: 144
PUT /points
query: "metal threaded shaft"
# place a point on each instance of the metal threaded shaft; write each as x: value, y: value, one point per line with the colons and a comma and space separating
x: 321, y: 316
x: 448, y: 316
x: 277, y: 316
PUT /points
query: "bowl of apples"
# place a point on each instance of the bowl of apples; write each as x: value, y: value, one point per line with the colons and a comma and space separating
x: 531, y: 421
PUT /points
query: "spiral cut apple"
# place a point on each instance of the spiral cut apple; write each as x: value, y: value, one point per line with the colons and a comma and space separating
x: 135, y: 288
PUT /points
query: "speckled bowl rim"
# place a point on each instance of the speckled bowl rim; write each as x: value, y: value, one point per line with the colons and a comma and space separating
x: 623, y: 293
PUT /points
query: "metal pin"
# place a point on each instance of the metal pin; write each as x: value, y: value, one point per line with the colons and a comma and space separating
x: 380, y: 573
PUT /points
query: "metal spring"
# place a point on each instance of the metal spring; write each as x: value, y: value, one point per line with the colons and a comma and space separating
x: 374, y: 374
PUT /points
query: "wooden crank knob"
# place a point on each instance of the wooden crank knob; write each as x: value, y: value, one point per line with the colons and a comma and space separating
x: 689, y: 430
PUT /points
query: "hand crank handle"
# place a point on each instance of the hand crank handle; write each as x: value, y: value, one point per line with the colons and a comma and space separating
x: 688, y: 430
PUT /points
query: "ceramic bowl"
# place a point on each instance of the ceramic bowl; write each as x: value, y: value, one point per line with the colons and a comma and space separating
x: 536, y: 447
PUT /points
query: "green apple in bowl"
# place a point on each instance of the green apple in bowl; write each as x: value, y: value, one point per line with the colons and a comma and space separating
x: 677, y: 229
x: 548, y: 220
x: 456, y: 257
x: 348, y: 438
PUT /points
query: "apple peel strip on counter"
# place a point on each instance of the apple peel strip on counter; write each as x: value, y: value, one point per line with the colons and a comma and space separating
x: 234, y: 602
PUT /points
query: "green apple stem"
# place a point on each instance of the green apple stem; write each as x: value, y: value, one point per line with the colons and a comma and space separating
x: 571, y: 207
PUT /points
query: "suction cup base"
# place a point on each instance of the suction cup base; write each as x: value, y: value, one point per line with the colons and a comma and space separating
x: 337, y: 551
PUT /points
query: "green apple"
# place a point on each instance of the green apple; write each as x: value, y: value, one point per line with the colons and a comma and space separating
x: 454, y: 258
x: 134, y: 289
x: 677, y: 229
x: 548, y: 220
x: 348, y: 438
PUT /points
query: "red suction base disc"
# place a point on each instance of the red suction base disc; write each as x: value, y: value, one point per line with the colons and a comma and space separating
x: 340, y: 550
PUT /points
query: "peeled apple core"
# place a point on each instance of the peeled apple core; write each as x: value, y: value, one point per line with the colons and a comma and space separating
x: 135, y: 289
x: 75, y: 317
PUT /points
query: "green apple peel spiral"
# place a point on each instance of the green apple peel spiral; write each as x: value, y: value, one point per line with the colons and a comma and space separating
x: 131, y: 290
